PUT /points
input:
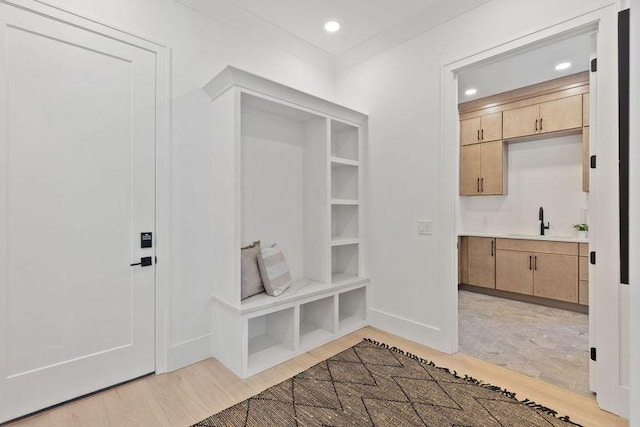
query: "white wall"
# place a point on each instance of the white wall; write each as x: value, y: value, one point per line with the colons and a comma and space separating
x: 634, y: 214
x: 200, y: 47
x: 400, y: 89
x: 545, y: 173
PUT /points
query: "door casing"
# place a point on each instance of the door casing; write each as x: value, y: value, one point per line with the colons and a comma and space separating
x: 604, y: 287
x: 162, y: 154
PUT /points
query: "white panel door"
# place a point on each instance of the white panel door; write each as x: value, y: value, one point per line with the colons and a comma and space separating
x: 77, y: 187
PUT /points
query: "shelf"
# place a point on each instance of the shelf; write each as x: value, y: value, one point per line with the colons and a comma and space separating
x: 344, y: 162
x: 266, y: 136
x: 345, y: 202
x: 344, y: 242
x: 344, y: 182
x: 270, y: 337
x: 352, y: 309
x: 341, y: 278
x: 316, y: 321
x: 344, y: 140
x: 271, y: 355
x: 300, y: 289
x: 344, y: 222
x: 344, y: 259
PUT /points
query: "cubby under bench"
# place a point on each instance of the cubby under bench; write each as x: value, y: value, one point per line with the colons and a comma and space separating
x: 264, y: 331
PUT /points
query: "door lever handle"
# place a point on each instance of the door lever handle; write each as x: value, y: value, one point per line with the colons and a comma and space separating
x: 144, y: 262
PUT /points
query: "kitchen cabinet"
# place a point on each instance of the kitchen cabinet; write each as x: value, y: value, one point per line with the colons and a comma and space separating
x: 514, y: 271
x: 583, y: 274
x: 561, y: 114
x: 540, y: 268
x: 481, y: 261
x: 555, y: 277
x: 546, y: 117
x: 521, y: 121
x: 482, y: 169
x: 585, y: 109
x: 485, y: 128
x: 537, y: 268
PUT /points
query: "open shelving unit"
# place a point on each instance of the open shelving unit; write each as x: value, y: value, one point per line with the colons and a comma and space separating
x: 270, y: 336
x: 317, y: 323
x: 288, y: 171
x: 352, y: 309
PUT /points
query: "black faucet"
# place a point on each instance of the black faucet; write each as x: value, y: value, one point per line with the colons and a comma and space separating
x: 541, y: 218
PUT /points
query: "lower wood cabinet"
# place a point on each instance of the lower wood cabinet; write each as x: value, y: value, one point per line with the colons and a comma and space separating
x: 555, y: 277
x: 514, y: 271
x: 583, y: 274
x: 540, y: 268
x: 544, y: 269
x: 481, y: 261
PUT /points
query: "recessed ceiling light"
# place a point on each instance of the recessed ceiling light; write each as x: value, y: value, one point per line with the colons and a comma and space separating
x: 563, y: 66
x: 470, y: 92
x: 332, y: 26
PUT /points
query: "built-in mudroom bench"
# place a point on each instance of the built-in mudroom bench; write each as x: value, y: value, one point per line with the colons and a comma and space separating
x: 288, y: 170
x: 540, y: 269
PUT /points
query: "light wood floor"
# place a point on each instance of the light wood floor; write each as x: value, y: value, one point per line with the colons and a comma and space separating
x: 189, y: 395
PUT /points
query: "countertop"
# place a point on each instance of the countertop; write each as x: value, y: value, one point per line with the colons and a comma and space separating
x: 570, y: 239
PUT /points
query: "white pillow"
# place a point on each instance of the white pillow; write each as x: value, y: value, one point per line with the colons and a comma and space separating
x: 274, y: 270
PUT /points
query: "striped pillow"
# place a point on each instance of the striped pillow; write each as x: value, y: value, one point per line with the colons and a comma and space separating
x: 274, y: 270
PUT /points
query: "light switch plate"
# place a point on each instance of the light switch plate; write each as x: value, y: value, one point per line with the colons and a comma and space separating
x: 424, y: 227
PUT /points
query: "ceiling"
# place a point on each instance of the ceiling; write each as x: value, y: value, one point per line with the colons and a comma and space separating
x: 362, y: 21
x: 525, y: 68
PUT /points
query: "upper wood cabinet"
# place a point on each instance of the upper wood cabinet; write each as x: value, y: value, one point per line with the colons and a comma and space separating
x: 585, y: 109
x: 485, y: 128
x: 470, y: 159
x: 481, y: 261
x: 561, y: 114
x: 521, y: 121
x: 492, y: 175
x: 482, y: 169
x: 470, y: 131
x: 551, y: 116
x: 531, y: 112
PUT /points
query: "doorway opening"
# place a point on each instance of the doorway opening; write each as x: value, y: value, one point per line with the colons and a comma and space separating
x: 523, y: 210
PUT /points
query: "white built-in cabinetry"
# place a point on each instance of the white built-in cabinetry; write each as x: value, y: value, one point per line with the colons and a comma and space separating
x: 287, y: 169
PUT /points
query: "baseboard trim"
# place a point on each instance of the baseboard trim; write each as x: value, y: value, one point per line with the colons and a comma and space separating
x: 426, y: 335
x: 525, y: 298
x: 189, y: 352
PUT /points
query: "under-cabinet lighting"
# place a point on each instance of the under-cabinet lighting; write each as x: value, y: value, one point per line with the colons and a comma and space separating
x: 470, y: 92
x: 332, y: 26
x: 563, y: 66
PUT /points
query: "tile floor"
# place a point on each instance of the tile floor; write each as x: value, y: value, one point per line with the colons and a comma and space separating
x: 542, y: 342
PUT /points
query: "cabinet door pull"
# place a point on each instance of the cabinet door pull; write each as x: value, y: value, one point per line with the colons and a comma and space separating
x: 530, y: 262
x: 535, y: 262
x: 536, y: 125
x: 540, y: 124
x: 482, y: 134
x: 478, y: 184
x: 478, y: 134
x: 482, y: 185
x: 492, y: 243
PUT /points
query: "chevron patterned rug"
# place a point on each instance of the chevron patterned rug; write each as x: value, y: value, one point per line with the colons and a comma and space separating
x: 372, y: 384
